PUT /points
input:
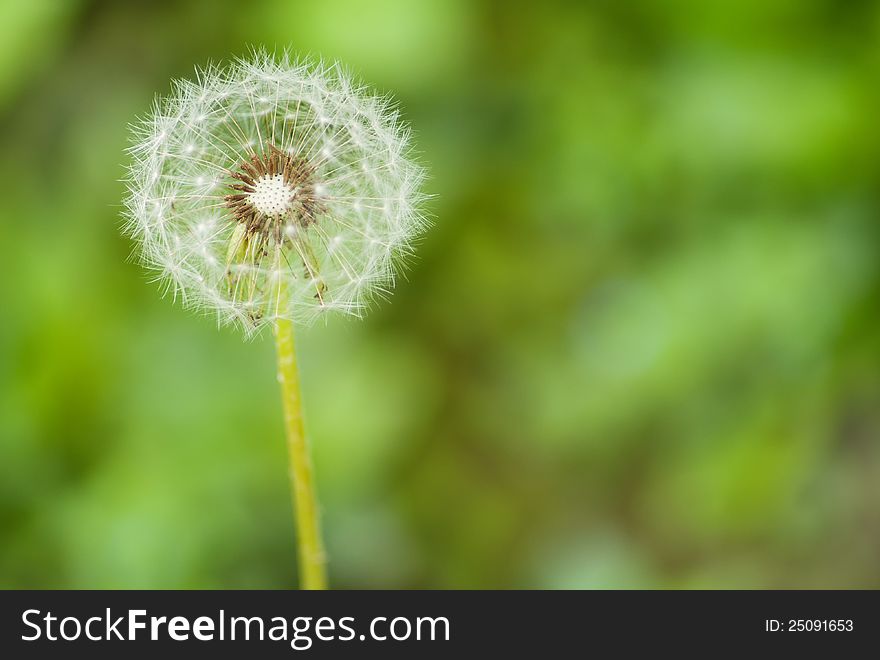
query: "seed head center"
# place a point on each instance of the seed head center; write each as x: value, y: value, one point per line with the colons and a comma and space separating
x: 271, y: 195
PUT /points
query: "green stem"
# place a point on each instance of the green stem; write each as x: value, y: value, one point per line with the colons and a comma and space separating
x: 312, y: 560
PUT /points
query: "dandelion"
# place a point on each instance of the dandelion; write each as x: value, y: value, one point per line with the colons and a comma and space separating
x: 269, y: 192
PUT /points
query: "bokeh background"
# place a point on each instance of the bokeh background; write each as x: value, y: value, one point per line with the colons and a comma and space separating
x: 639, y: 348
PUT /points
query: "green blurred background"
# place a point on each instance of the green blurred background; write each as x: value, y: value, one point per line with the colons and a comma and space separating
x: 639, y: 348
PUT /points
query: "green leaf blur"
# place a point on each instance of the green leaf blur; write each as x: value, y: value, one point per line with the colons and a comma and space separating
x: 639, y: 348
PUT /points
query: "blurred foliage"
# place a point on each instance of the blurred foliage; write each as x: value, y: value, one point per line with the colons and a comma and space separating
x: 639, y: 348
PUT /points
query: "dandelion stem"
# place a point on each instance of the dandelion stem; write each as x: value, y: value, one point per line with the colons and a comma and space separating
x: 312, y: 560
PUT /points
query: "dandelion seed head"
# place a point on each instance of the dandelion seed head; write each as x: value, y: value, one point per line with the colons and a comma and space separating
x: 273, y: 188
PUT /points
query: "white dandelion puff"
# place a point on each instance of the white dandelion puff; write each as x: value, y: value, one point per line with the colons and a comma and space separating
x: 273, y: 188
